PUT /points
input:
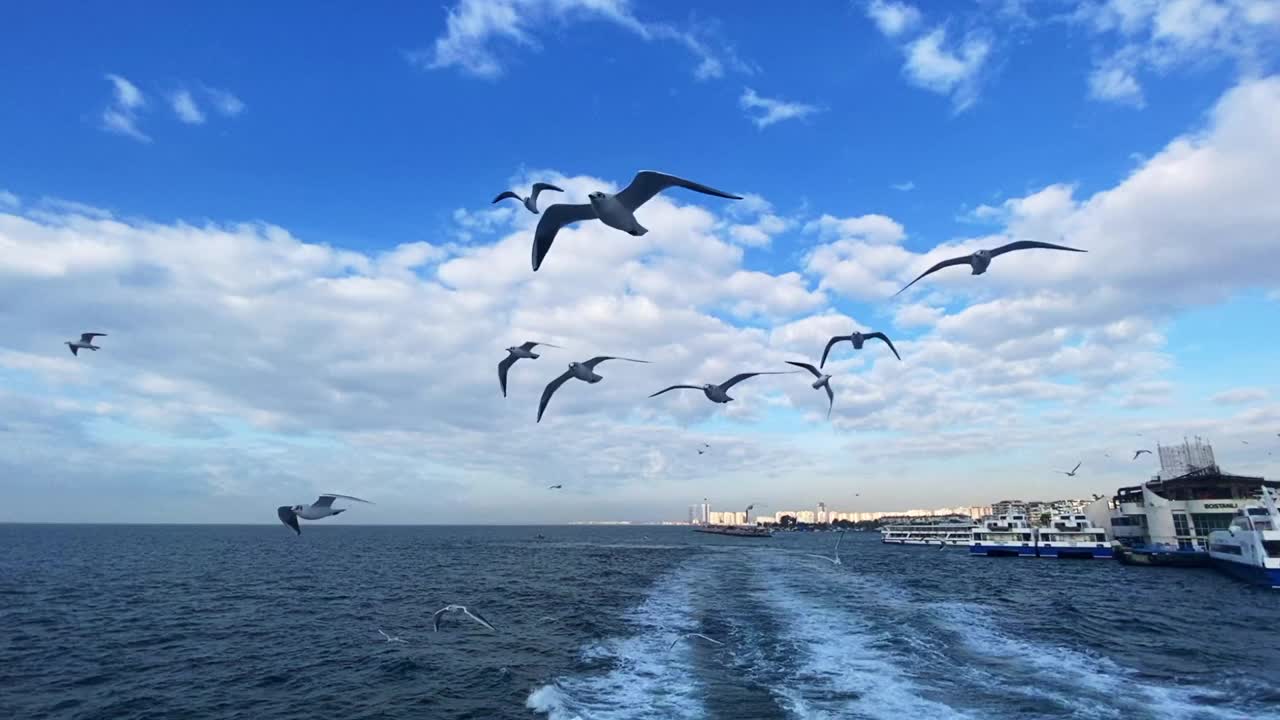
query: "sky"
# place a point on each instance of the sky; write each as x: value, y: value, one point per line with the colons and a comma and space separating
x: 280, y: 215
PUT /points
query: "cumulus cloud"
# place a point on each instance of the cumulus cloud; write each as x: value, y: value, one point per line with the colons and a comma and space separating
x: 893, y: 18
x: 1156, y: 37
x: 472, y: 27
x: 948, y: 70
x: 765, y: 111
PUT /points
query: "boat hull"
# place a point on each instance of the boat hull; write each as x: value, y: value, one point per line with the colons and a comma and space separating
x: 1069, y: 552
x: 1161, y: 558
x: 1264, y: 576
x: 1002, y: 550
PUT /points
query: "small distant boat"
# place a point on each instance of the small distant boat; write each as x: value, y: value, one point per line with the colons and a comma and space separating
x: 1250, y: 547
x: 735, y: 531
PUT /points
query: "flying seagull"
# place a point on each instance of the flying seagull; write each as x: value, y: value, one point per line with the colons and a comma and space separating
x: 389, y: 638
x: 942, y: 544
x: 435, y: 619
x: 584, y: 371
x: 719, y: 393
x: 693, y: 635
x: 857, y: 339
x: 701, y: 451
x: 321, y: 508
x: 1246, y: 442
x: 982, y: 258
x: 84, y: 343
x: 823, y: 381
x: 554, y: 487
x: 530, y: 202
x: 517, y: 352
x: 1072, y: 472
x: 616, y: 211
x: 1136, y: 453
x: 835, y: 552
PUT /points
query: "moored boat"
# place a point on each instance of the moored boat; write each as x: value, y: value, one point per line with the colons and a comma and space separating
x: 1250, y: 547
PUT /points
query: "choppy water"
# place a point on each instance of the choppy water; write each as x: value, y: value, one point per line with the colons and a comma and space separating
x: 129, y: 622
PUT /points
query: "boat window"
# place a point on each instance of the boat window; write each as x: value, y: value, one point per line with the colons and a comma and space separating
x: 1272, y: 547
x: 1231, y: 549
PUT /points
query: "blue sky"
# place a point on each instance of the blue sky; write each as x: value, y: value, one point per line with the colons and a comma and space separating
x: 359, y: 135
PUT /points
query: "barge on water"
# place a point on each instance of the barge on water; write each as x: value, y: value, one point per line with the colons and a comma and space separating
x: 735, y: 531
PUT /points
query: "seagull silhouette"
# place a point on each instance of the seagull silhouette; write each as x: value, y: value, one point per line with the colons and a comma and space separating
x: 1072, y: 472
x: 981, y: 259
x: 857, y: 338
x: 531, y: 202
x: 1136, y: 453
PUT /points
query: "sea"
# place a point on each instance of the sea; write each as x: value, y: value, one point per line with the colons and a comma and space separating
x: 116, y: 622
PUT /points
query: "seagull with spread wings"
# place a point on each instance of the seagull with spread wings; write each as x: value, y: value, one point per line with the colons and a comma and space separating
x: 523, y: 351
x: 531, y: 202
x: 823, y: 381
x: 1136, y: 453
x: 719, y: 393
x: 980, y: 260
x: 1071, y: 472
x: 616, y: 211
x: 584, y: 371
x: 857, y: 338
x: 435, y: 618
x: 321, y: 508
x: 84, y: 343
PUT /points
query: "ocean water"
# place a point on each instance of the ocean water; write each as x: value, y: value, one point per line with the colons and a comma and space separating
x: 132, y: 622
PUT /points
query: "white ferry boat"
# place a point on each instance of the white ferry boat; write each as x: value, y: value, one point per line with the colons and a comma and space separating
x: 952, y: 530
x: 1003, y: 535
x: 1250, y: 547
x: 1072, y: 535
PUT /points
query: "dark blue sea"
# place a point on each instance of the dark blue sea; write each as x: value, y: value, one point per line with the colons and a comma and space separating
x: 191, y: 622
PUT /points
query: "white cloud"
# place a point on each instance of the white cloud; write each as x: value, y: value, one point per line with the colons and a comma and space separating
x: 1241, y: 396
x: 9, y: 200
x: 1159, y: 36
x: 185, y: 107
x: 120, y: 117
x: 904, y: 186
x: 893, y: 18
x: 948, y: 71
x: 227, y: 104
x: 473, y: 26
x: 772, y: 110
x: 867, y: 228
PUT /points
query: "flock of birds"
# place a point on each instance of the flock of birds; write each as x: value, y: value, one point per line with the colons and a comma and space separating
x: 618, y: 211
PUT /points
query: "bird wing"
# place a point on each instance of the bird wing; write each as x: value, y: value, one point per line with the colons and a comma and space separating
x: 531, y: 345
x: 743, y: 376
x: 831, y: 399
x: 477, y: 617
x: 505, y: 195
x: 1077, y: 467
x: 327, y: 499
x: 963, y: 260
x: 503, y: 367
x: 673, y: 643
x: 704, y: 637
x: 648, y: 183
x: 554, y: 218
x: 593, y: 362
x: 539, y: 187
x: 678, y: 387
x: 812, y: 370
x: 435, y: 618
x: 1029, y: 244
x: 550, y: 390
x: 288, y: 517
x: 831, y: 343
x: 88, y: 337
x: 886, y: 340
x: 73, y: 350
x: 388, y: 637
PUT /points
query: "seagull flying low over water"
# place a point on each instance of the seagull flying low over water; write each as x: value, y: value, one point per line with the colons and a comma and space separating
x: 616, y: 211
x: 584, y: 371
x: 982, y: 258
x: 531, y: 202
x: 321, y: 508
x: 857, y: 339
x: 84, y: 343
x: 693, y: 635
x: 389, y: 638
x: 719, y: 393
x: 435, y: 618
x: 835, y: 552
x: 1071, y: 472
x: 1136, y: 453
x: 823, y: 381
x: 523, y: 351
